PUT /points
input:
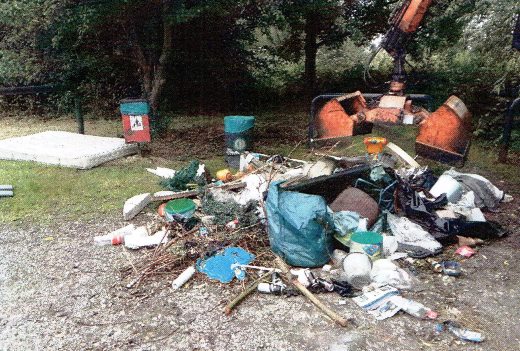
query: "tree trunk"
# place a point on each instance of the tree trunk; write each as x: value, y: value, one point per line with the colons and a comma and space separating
x: 159, y: 79
x: 153, y: 74
x: 311, y: 49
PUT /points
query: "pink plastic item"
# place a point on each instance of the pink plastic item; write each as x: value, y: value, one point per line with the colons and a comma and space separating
x: 465, y: 251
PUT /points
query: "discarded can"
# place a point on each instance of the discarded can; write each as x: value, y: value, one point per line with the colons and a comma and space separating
x: 451, y: 268
x: 436, y: 266
x: 271, y: 288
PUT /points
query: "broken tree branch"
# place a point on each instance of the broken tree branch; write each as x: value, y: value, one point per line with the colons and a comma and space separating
x: 245, y: 293
x: 330, y: 313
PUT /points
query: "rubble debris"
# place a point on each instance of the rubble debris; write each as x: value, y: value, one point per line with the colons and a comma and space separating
x: 183, y: 278
x: 218, y: 265
x: 459, y: 331
x: 162, y: 172
x: 135, y: 204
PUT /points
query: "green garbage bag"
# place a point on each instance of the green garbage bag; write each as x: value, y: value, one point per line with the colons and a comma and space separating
x: 299, y: 227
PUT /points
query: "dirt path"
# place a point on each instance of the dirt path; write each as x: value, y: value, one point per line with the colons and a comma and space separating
x: 60, y: 292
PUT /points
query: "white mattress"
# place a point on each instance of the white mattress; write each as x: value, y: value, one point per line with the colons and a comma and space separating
x: 65, y: 149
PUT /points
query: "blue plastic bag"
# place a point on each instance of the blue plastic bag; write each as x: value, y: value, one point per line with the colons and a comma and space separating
x: 299, y: 227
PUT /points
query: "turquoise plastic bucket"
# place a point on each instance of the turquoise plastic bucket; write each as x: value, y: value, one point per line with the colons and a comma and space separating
x: 238, y: 124
x: 134, y: 107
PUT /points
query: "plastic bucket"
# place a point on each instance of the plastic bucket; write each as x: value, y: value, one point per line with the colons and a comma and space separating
x: 449, y: 186
x: 179, y: 210
x: 239, y: 137
x: 369, y: 243
x: 357, y: 267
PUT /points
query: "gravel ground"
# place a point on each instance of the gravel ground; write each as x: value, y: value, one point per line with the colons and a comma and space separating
x: 60, y: 292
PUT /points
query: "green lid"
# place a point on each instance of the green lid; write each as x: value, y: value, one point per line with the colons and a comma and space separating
x: 179, y: 206
x: 368, y: 238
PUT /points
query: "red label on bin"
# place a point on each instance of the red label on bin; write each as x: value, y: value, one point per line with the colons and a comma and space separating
x: 136, y: 128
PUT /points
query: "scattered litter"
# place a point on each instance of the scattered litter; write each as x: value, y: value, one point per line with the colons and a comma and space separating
x: 183, y: 278
x: 218, y: 265
x: 385, y: 272
x: 116, y: 237
x: 414, y: 308
x: 486, y: 194
x: 465, y: 251
x: 162, y: 172
x: 412, y: 238
x: 451, y: 268
x: 140, y: 238
x: 374, y: 298
x: 377, y: 213
x: 459, y: 331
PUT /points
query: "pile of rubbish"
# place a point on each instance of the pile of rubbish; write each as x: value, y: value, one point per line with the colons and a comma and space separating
x: 347, y: 225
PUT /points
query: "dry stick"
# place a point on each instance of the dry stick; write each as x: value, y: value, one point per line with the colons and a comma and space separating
x: 333, y: 315
x: 245, y: 293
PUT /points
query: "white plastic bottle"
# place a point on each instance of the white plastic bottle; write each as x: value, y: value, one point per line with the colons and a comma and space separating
x: 116, y: 237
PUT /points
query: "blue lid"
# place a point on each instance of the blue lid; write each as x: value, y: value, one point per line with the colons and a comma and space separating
x: 238, y: 124
x: 134, y: 107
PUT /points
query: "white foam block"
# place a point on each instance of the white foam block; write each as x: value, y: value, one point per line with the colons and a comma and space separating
x: 65, y: 149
